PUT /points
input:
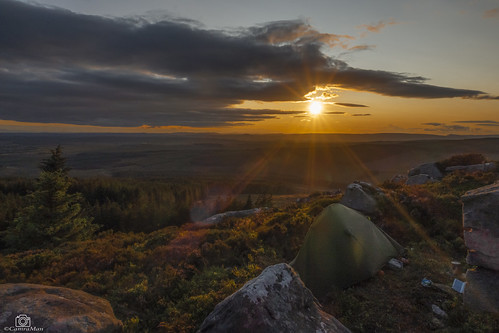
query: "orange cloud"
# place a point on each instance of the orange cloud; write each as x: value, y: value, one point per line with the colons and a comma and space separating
x: 21, y: 126
x: 375, y: 28
x: 491, y: 13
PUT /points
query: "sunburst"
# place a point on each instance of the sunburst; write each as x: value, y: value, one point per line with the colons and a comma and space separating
x: 315, y: 108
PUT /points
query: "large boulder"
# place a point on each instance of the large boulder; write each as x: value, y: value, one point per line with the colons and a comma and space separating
x: 481, y: 226
x: 420, y: 179
x: 361, y: 196
x: 276, y: 301
x: 55, y: 309
x: 429, y: 169
x: 474, y: 167
x: 482, y: 290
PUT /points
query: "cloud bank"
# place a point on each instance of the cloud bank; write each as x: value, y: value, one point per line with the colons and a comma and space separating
x: 60, y: 66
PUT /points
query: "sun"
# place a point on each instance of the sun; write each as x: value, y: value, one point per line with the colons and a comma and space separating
x: 315, y: 108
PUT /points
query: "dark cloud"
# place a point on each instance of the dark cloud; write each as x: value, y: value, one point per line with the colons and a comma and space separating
x: 334, y: 112
x: 296, y: 32
x: 351, y: 105
x: 479, y: 122
x: 484, y: 96
x: 59, y: 66
x: 361, y: 115
x: 445, y: 128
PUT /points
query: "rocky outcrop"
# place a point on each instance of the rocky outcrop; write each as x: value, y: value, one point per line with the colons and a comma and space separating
x: 474, y: 167
x: 482, y: 290
x: 399, y: 179
x: 481, y: 236
x: 55, y: 309
x: 481, y: 226
x: 236, y: 213
x: 276, y: 301
x: 420, y: 179
x: 361, y: 196
x: 429, y: 169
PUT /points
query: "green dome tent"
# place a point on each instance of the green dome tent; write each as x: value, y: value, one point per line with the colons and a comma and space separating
x: 342, y: 247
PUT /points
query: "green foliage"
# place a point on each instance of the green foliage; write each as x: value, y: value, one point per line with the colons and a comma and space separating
x: 51, y: 216
x: 249, y: 203
x: 56, y: 162
x: 459, y: 182
x: 462, y: 159
x: 264, y: 200
x: 171, y: 277
x: 139, y: 205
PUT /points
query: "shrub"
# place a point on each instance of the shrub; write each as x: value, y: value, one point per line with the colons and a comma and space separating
x: 463, y: 159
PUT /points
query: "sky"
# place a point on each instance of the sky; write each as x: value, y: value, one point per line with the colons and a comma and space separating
x: 273, y: 66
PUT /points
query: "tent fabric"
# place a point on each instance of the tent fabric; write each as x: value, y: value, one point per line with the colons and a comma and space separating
x: 341, y: 248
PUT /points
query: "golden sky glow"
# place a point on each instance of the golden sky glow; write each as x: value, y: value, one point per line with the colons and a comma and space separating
x: 205, y: 67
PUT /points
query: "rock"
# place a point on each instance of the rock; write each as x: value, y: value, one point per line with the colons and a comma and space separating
x: 478, y: 258
x: 399, y: 179
x: 436, y: 323
x: 361, y: 196
x: 482, y: 290
x: 420, y: 180
x: 481, y: 226
x: 474, y: 167
x: 236, y: 213
x: 439, y: 312
x: 275, y: 301
x: 369, y: 188
x: 55, y: 309
x: 429, y: 169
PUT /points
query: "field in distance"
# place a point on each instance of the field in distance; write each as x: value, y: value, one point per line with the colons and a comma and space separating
x: 303, y: 162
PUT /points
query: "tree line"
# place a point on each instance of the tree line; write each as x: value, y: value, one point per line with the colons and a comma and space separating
x: 55, y: 208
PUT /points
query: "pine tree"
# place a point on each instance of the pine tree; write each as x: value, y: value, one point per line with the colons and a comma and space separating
x: 52, y: 215
x: 249, y: 202
x: 56, y: 162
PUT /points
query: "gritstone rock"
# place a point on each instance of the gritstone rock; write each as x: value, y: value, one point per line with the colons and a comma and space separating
x: 481, y: 226
x: 482, y: 290
x: 361, y: 196
x: 475, y: 167
x: 429, y: 169
x: 274, y: 302
x: 481, y: 236
x: 399, y: 179
x: 55, y: 309
x: 420, y: 179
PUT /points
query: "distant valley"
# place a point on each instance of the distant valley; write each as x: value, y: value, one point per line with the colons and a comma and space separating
x: 305, y: 162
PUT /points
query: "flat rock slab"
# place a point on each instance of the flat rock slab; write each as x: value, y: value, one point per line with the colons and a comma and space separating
x: 474, y: 167
x: 55, y: 309
x: 276, y: 301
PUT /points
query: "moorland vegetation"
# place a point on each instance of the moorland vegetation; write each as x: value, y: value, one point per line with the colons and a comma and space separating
x: 161, y: 272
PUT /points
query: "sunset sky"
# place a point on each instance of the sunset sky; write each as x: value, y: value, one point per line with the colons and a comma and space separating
x: 384, y: 66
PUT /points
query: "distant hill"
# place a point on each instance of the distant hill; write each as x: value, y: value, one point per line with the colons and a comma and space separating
x: 310, y: 161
